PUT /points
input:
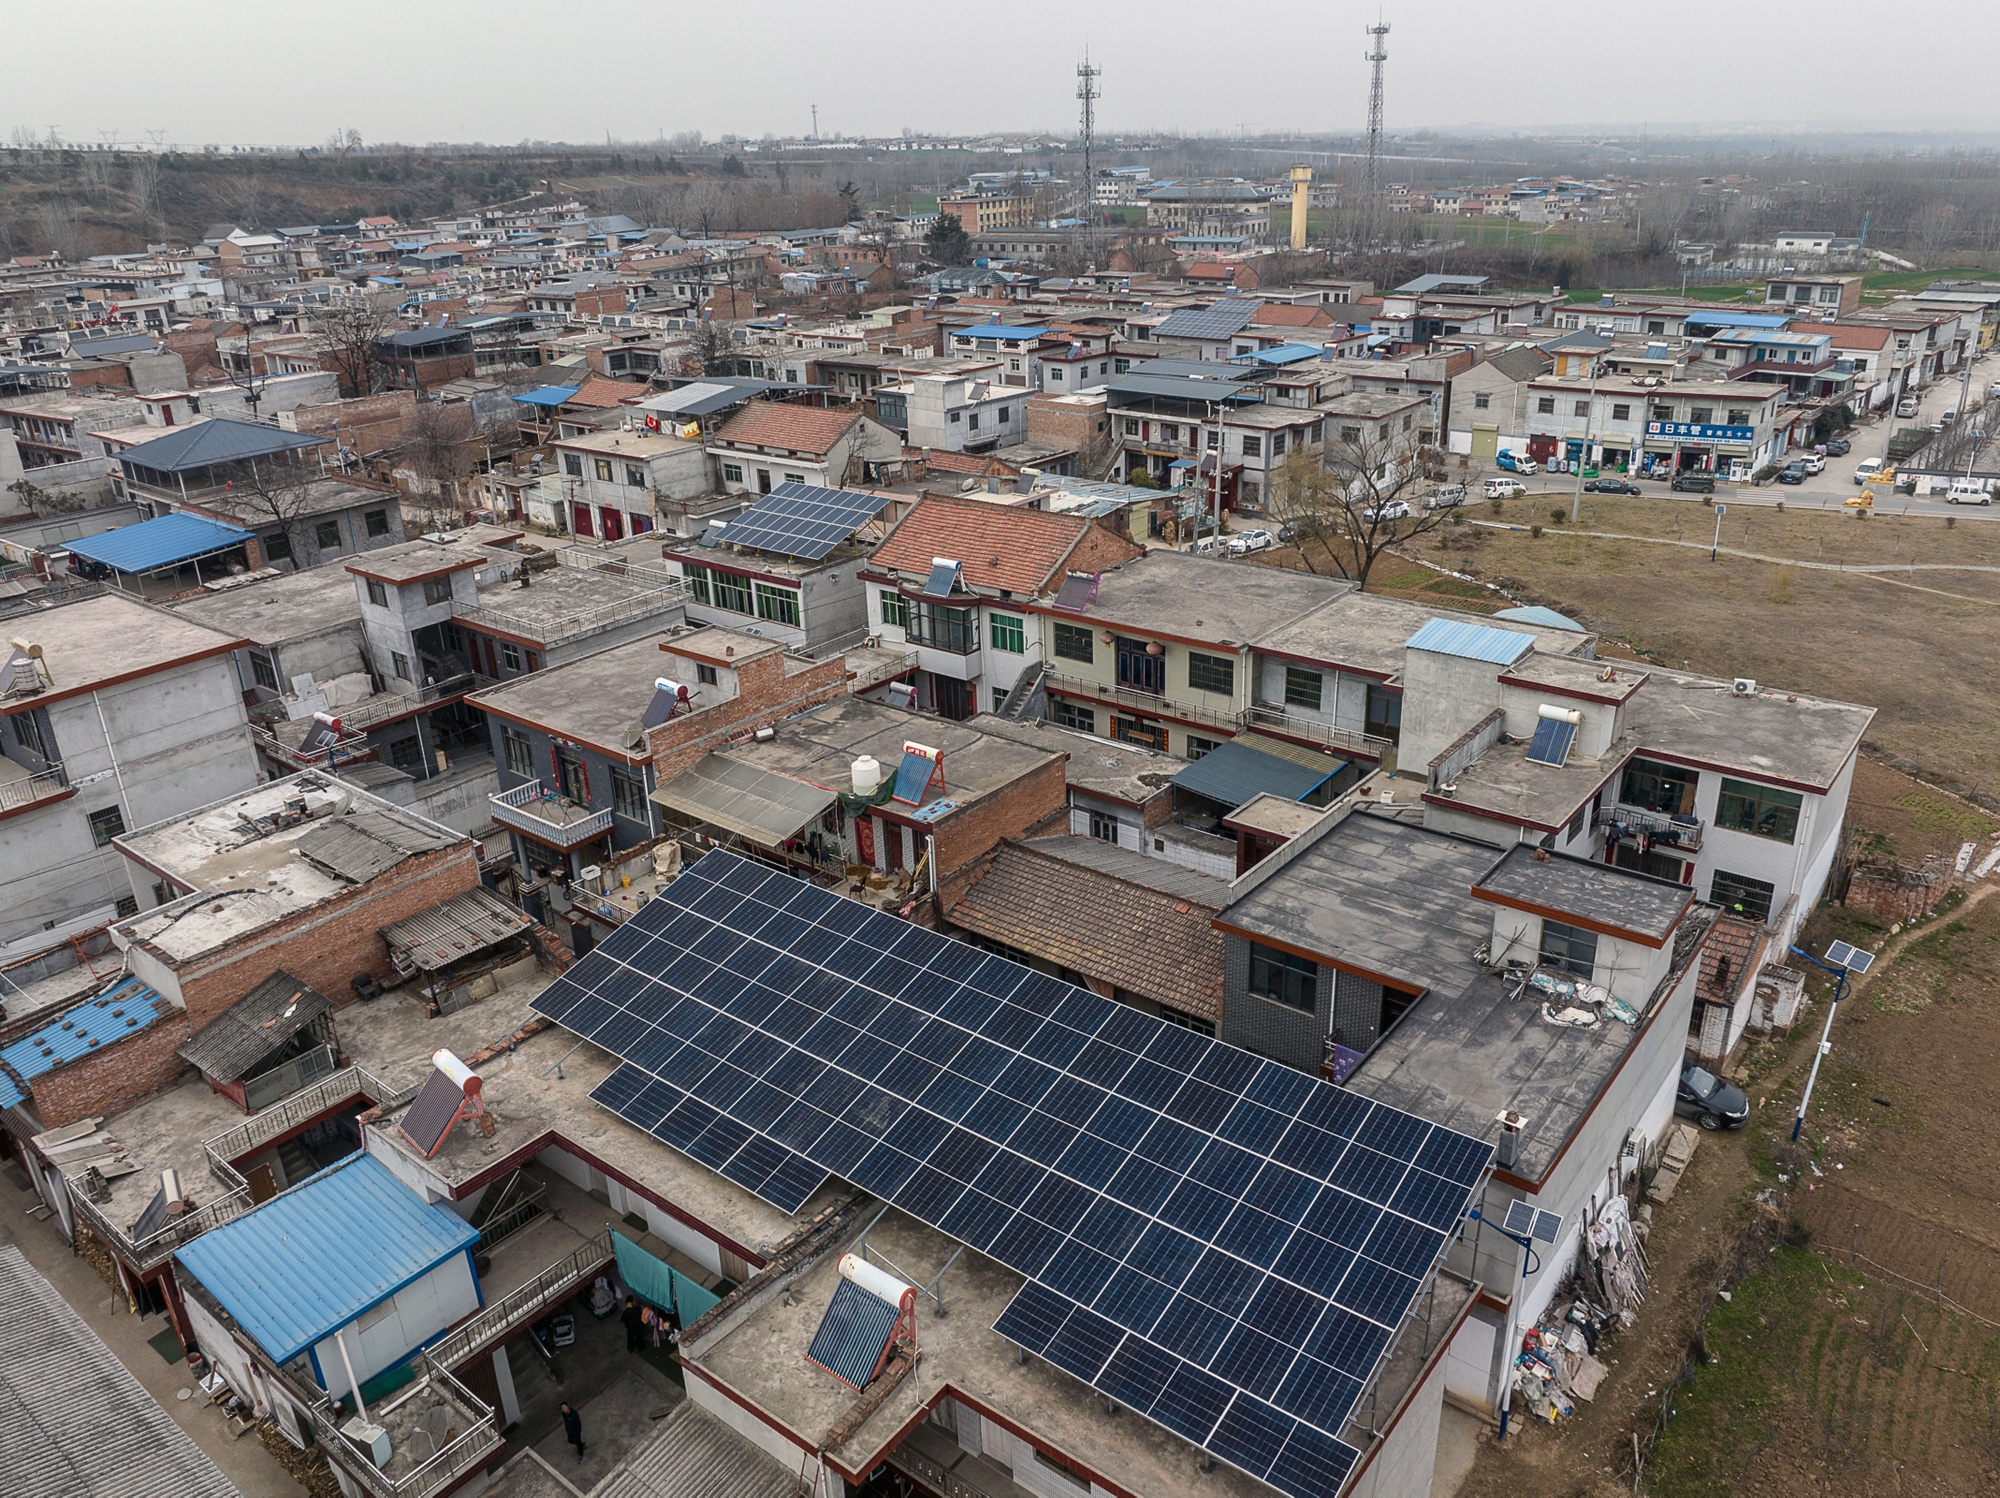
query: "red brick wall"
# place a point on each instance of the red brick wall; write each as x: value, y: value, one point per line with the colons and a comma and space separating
x: 115, y: 1077
x: 1102, y: 547
x: 366, y: 424
x: 109, y: 376
x: 330, y: 944
x: 1011, y: 811
x: 604, y: 299
x: 765, y: 695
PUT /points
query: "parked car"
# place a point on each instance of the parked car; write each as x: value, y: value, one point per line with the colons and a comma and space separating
x: 1694, y: 483
x: 1206, y: 546
x: 1245, y: 542
x: 1450, y: 497
x: 1710, y: 1101
x: 1866, y: 469
x: 1504, y: 488
x: 1907, y: 406
x: 1838, y: 447
x: 1792, y: 473
x: 1289, y: 532
x: 1968, y: 492
x: 1515, y: 463
x: 1390, y: 509
x: 1811, y: 463
x: 1610, y: 486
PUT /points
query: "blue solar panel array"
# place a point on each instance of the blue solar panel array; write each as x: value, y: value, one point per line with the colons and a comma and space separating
x: 853, y: 1334
x: 1215, y: 1241
x: 802, y: 520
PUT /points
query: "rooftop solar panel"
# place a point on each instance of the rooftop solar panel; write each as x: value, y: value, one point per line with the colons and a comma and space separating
x: 430, y: 1117
x: 1550, y: 746
x: 802, y: 520
x: 1213, y: 1240
x: 853, y: 1335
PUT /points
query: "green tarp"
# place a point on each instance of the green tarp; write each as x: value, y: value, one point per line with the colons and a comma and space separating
x: 659, y: 1283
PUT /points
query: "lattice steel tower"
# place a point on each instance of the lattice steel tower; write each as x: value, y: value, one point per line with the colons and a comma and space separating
x: 1086, y: 93
x: 1376, y: 58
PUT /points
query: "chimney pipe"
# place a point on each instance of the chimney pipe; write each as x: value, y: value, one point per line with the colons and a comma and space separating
x: 1506, y: 1151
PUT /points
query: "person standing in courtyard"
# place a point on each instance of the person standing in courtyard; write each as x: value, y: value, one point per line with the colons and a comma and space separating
x: 573, y: 1429
x: 635, y: 1321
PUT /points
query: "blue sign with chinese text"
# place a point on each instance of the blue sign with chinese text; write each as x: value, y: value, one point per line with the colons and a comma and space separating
x: 1699, y: 432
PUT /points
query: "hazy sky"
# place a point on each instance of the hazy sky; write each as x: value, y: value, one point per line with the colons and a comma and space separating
x: 502, y: 71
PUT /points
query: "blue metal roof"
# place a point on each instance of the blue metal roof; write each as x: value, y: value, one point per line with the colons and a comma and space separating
x: 1284, y: 353
x: 160, y: 542
x: 308, y: 1261
x: 221, y: 440
x: 1001, y: 332
x: 1534, y: 613
x: 1722, y: 319
x: 1475, y: 642
x: 547, y: 395
x: 125, y: 1008
x: 1232, y: 773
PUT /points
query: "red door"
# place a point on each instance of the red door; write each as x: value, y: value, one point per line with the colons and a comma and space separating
x: 612, y: 521
x: 581, y: 524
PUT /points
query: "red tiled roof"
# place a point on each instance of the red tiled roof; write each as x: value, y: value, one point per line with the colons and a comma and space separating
x: 598, y: 391
x: 1735, y: 943
x: 1285, y: 315
x: 1147, y: 941
x: 1845, y: 335
x: 977, y: 464
x: 799, y: 429
x: 996, y: 546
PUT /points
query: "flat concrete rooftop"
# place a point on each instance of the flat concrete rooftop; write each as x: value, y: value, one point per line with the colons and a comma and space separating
x: 96, y: 642
x: 1628, y: 902
x: 1098, y: 767
x: 1368, y: 634
x: 276, y: 610
x: 1205, y: 598
x: 598, y: 700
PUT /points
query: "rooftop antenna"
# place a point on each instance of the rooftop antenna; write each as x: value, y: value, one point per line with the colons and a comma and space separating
x: 1087, y: 94
x: 1376, y: 58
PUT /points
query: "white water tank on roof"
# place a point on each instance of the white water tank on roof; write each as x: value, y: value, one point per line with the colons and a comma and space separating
x: 867, y: 775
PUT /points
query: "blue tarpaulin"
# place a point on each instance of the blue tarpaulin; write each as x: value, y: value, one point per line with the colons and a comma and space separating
x: 659, y: 1284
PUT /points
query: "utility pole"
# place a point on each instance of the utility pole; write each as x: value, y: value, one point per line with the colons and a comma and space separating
x: 1583, y: 453
x: 1086, y: 93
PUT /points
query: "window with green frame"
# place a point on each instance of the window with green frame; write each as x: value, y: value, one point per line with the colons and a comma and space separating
x: 1304, y: 688
x: 1758, y: 810
x: 1067, y: 714
x: 895, y: 609
x: 779, y: 605
x: 1211, y: 673
x: 697, y: 582
x: 1073, y: 642
x: 1009, y: 633
x: 731, y: 592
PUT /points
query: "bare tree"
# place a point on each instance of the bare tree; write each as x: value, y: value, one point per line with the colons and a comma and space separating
x: 349, y: 332
x: 57, y: 228
x: 1353, y: 503
x: 878, y: 237
x: 439, y: 452
x: 143, y: 182
x: 277, y: 493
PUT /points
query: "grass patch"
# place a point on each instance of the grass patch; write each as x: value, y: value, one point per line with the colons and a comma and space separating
x: 1929, y: 814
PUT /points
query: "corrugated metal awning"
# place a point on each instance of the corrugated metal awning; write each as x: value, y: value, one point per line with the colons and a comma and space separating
x: 461, y: 927
x: 758, y: 805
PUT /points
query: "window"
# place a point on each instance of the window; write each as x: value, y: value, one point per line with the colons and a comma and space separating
x: 106, y: 824
x: 1702, y: 415
x: 1738, y: 417
x: 943, y: 628
x: 573, y: 465
x: 1385, y: 714
x: 1073, y: 642
x: 1621, y: 412
x: 1131, y: 423
x: 1104, y: 826
x: 437, y: 590
x: 1303, y: 687
x: 1277, y: 444
x: 706, y: 674
x: 326, y: 535
x: 1211, y: 673
x: 1741, y: 895
x: 128, y: 905
x: 1009, y: 634
x: 602, y: 468
x: 520, y: 754
x: 1570, y: 948
x: 1006, y: 415
x: 732, y: 473
x: 1198, y: 746
x: 779, y: 605
x: 895, y: 609
x: 1482, y: 401
x: 1546, y: 405
x: 399, y: 665
x: 955, y: 417
x: 264, y: 669
x: 1658, y: 787
x: 1758, y: 810
x: 1283, y: 977
x: 795, y: 478
x: 1582, y: 408
x: 1408, y: 422
x: 1351, y: 436
x: 375, y: 522
x: 510, y: 655
x: 727, y: 591
x: 1187, y: 1021
x: 1067, y: 714
x: 628, y: 796
x: 1663, y: 413
x: 278, y: 547
x: 1253, y: 447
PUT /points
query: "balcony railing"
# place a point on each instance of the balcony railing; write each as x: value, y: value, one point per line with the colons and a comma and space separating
x: 1684, y: 833
x: 1323, y: 735
x: 1148, y: 702
x: 522, y: 1304
x: 49, y: 785
x: 874, y: 673
x: 477, y: 1439
x: 548, y: 817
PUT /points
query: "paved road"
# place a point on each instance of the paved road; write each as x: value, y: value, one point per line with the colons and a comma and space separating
x: 1829, y: 490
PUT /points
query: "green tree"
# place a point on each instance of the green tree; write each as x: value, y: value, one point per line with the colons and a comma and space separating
x: 947, y: 241
x: 733, y: 167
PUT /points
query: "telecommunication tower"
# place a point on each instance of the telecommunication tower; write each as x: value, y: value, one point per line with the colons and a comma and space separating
x: 1086, y: 93
x: 1376, y: 58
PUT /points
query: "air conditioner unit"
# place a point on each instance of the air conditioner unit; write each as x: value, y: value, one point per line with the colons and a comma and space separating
x: 1743, y: 686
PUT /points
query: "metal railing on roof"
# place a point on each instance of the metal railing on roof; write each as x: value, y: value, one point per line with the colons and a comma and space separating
x: 1148, y: 702
x: 49, y: 785
x: 523, y: 1303
x: 1276, y: 720
x: 545, y: 815
x: 473, y: 1443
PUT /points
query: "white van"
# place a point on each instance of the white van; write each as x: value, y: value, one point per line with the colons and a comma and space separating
x: 1866, y: 469
x: 1968, y: 492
